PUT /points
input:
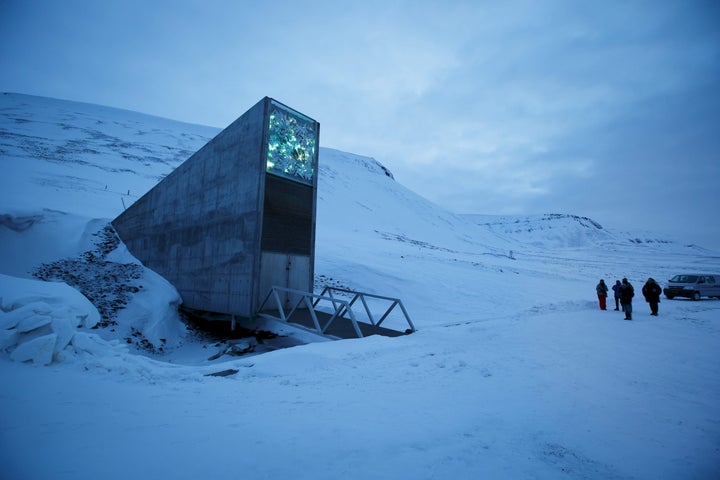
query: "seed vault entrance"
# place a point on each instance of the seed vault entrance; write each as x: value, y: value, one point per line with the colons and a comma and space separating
x: 237, y: 217
x: 287, y: 236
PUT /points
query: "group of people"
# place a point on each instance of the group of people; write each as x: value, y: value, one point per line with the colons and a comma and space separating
x: 624, y: 293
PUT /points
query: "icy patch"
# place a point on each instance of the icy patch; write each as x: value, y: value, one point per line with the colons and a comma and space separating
x: 39, y: 322
x: 39, y: 350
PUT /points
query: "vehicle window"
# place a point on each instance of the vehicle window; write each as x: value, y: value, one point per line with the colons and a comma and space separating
x: 684, y: 279
x: 710, y: 279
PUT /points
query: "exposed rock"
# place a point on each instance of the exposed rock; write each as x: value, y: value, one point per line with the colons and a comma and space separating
x: 108, y: 285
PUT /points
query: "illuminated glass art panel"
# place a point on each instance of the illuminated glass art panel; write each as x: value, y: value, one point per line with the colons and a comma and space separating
x: 292, y: 144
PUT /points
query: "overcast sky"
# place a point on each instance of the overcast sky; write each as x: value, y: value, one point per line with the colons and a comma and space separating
x: 605, y: 109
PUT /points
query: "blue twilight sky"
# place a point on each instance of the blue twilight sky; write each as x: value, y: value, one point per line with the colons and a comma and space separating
x: 607, y: 109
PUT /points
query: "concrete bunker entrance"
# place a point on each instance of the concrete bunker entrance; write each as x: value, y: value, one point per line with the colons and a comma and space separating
x: 237, y: 217
x: 287, y: 236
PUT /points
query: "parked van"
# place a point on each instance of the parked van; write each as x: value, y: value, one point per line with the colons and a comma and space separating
x: 695, y: 286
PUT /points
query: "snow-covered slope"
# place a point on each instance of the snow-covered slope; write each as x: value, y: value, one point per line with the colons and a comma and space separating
x: 85, y: 159
x: 513, y: 373
x: 569, y: 231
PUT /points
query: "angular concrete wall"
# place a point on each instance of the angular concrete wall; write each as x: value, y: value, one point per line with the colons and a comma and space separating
x: 200, y: 227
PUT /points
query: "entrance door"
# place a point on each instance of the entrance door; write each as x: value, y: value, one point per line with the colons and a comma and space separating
x: 284, y: 270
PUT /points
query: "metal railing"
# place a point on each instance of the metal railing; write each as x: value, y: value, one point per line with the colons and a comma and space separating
x: 340, y: 307
x: 361, y: 296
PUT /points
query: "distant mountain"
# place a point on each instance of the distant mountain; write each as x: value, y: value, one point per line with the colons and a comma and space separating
x: 555, y: 230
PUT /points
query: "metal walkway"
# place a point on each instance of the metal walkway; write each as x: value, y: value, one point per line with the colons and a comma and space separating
x: 330, y: 315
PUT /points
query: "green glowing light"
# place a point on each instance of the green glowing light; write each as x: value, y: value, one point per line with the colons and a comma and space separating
x: 292, y: 144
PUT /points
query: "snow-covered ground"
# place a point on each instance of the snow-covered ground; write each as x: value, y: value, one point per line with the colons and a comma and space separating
x: 513, y: 373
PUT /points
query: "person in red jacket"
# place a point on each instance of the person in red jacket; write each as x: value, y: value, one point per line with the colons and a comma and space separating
x: 602, y: 291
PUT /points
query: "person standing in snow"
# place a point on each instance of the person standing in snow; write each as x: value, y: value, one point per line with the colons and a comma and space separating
x: 617, y: 288
x: 651, y: 291
x: 626, y: 295
x: 602, y: 291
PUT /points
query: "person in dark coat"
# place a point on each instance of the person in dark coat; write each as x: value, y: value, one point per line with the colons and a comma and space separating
x: 651, y: 291
x: 602, y: 292
x: 626, y: 295
x: 617, y: 288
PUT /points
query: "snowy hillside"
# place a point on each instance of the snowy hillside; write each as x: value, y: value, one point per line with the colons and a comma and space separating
x: 513, y: 373
x: 567, y: 231
x: 91, y: 158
